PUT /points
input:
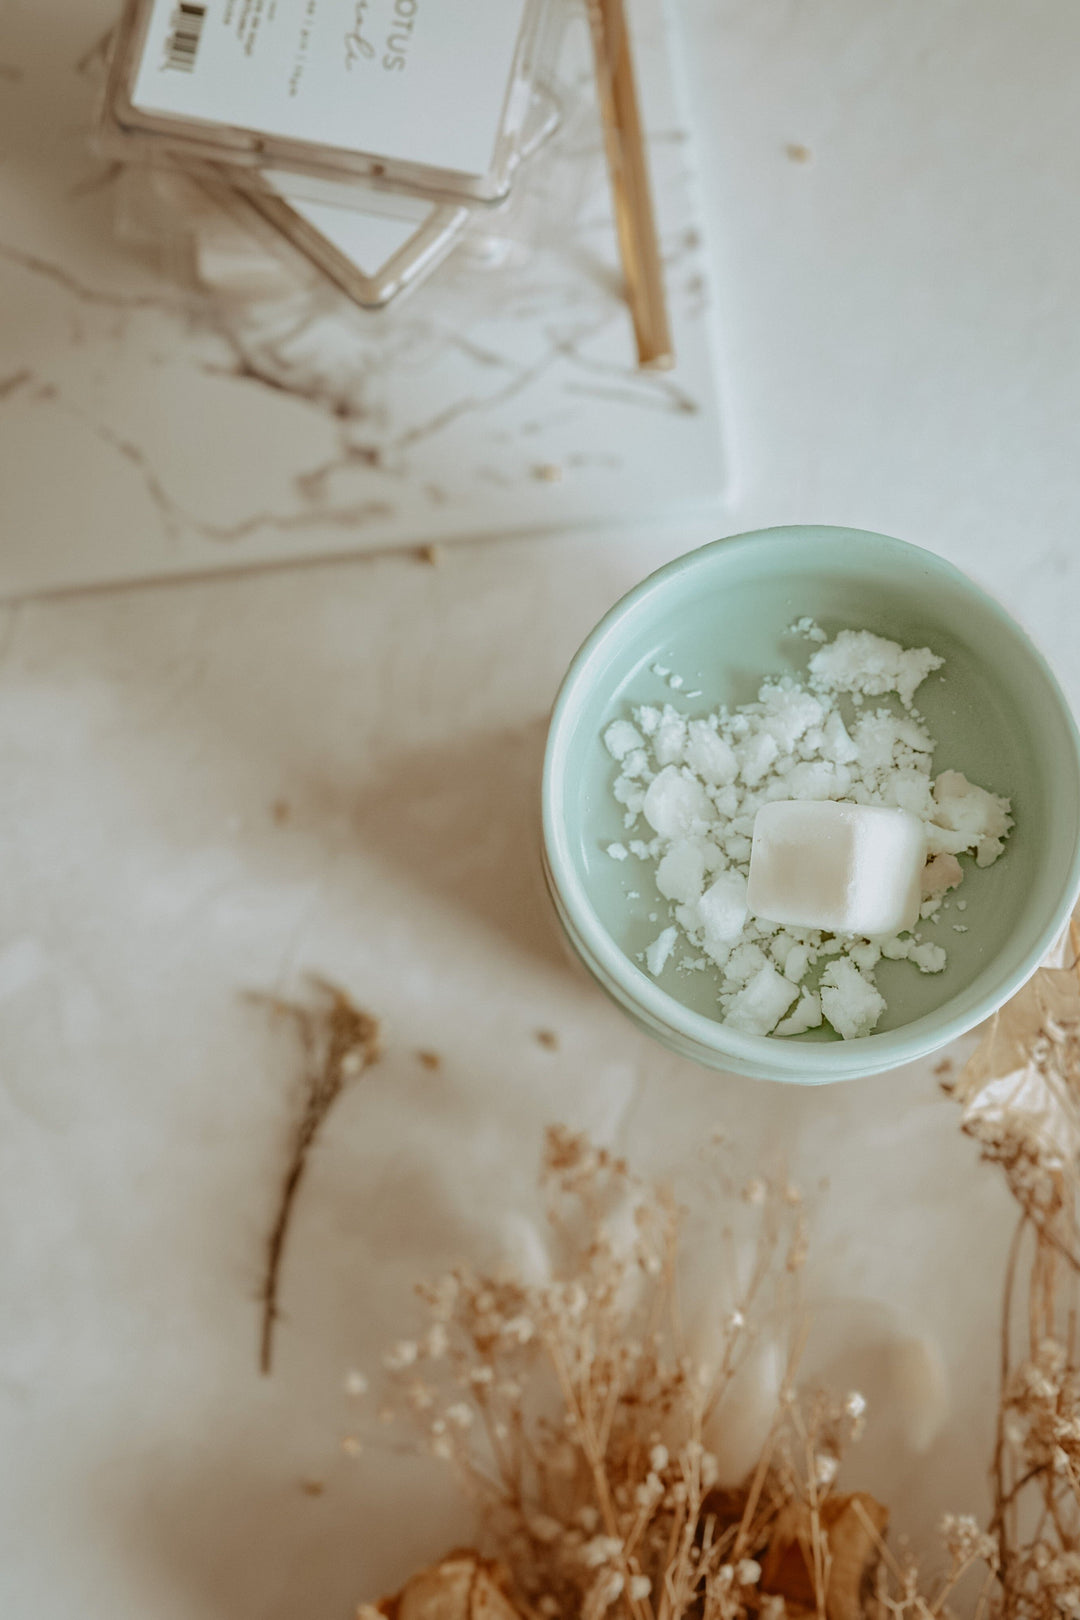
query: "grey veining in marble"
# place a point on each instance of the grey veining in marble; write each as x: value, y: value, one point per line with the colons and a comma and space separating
x: 240, y: 410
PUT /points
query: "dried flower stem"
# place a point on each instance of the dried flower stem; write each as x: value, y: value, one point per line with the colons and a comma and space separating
x: 1021, y: 1098
x: 338, y: 1041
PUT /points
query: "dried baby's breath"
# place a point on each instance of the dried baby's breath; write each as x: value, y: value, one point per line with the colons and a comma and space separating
x: 1020, y: 1094
x: 577, y: 1416
x: 575, y: 1413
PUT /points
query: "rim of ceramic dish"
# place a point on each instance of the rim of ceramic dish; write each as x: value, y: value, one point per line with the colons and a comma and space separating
x: 714, y: 1043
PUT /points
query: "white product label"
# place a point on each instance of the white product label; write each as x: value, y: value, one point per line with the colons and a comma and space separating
x: 417, y: 81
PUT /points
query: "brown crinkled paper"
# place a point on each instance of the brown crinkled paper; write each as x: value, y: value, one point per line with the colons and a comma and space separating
x: 852, y: 1541
x: 463, y: 1586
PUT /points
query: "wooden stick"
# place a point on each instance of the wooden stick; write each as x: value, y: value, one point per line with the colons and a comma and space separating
x: 628, y: 168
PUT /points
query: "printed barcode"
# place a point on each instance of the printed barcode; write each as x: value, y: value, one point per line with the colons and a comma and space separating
x: 182, y: 45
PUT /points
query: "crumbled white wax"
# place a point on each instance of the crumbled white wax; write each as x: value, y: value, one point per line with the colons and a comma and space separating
x: 691, y: 787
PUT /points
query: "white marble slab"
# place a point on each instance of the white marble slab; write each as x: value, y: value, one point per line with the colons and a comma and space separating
x: 900, y: 348
x: 159, y: 433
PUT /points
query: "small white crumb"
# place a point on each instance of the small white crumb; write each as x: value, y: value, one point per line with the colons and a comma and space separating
x: 709, y: 755
x: 656, y: 954
x: 837, y: 745
x: 928, y: 958
x: 742, y: 963
x: 865, y: 956
x: 807, y: 1015
x: 681, y: 873
x: 722, y: 908
x: 806, y: 627
x: 676, y: 804
x: 980, y: 818
x: 849, y: 1001
x: 726, y: 800
x: 618, y: 852
x: 755, y: 754
x: 762, y: 1002
x: 675, y: 682
x: 796, y: 963
x: 629, y: 793
x: 959, y: 928
x: 860, y: 662
x: 669, y: 739
x: 621, y: 737
x: 661, y: 670
x: 940, y: 874
x: 788, y: 712
x: 961, y: 905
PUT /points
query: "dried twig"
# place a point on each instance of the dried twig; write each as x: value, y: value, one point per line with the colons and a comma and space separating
x: 339, y: 1041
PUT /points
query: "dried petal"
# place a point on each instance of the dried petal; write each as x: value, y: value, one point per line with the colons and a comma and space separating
x: 463, y: 1586
x: 853, y: 1544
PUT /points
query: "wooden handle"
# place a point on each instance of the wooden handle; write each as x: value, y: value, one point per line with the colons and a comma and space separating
x: 631, y: 193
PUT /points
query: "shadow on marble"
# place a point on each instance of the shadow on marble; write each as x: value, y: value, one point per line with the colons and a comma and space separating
x: 462, y: 823
x: 236, y: 1501
x: 54, y: 159
x: 227, y: 1531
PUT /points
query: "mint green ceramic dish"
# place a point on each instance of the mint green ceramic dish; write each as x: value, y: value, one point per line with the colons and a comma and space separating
x: 719, y: 616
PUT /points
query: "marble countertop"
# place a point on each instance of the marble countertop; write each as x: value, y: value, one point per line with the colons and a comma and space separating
x: 224, y: 785
x: 226, y: 405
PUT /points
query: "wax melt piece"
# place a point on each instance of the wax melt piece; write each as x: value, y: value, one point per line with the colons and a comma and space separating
x: 849, y: 1001
x: 657, y: 953
x: 722, y: 908
x: 762, y: 1001
x: 676, y: 804
x: 848, y: 868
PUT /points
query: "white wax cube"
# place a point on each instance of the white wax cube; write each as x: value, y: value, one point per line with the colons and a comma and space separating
x: 848, y: 868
